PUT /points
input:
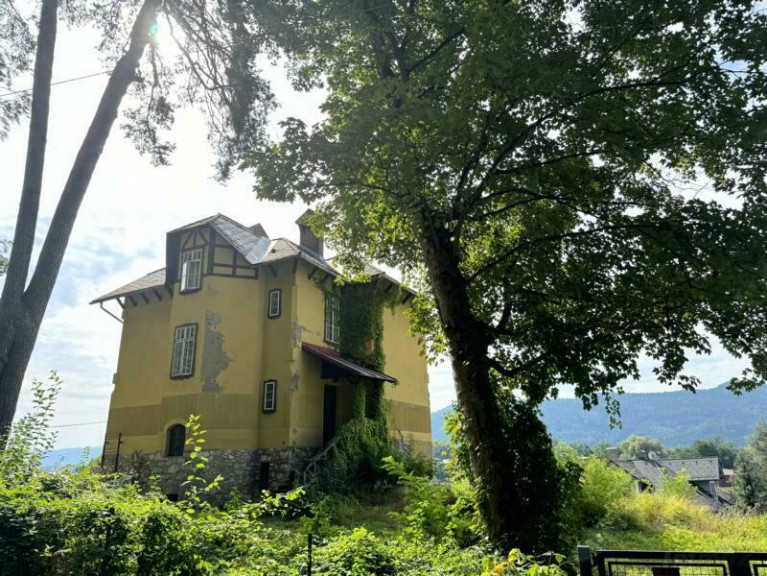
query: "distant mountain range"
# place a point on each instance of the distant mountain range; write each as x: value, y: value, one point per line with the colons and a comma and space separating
x: 675, y: 418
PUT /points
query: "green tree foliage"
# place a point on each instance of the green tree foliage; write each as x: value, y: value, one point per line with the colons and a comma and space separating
x: 16, y: 45
x: 750, y: 484
x: 530, y: 164
x: 635, y: 447
x: 31, y: 437
x: 727, y: 452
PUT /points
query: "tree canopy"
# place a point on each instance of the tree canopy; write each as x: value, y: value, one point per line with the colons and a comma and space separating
x: 577, y: 182
x: 750, y: 484
x: 635, y: 447
x: 565, y: 147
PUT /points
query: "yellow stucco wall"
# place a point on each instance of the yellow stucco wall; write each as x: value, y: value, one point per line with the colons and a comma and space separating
x: 237, y: 349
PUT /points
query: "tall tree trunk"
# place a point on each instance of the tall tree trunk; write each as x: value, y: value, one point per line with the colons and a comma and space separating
x: 11, y: 305
x: 36, y: 297
x: 510, y: 451
x: 26, y: 221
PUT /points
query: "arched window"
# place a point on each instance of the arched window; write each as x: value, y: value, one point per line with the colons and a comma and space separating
x: 176, y: 439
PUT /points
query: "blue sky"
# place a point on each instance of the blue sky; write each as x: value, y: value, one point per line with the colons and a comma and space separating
x: 121, y: 228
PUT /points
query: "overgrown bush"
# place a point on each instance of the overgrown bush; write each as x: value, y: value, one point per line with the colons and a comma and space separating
x: 602, y: 486
x: 357, y: 553
x: 356, y: 463
x: 404, y: 451
x: 445, y: 511
x: 76, y: 522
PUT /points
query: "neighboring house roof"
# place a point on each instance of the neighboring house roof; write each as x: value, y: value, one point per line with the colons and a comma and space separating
x: 334, y: 358
x: 644, y: 470
x: 698, y: 469
x: 154, y: 279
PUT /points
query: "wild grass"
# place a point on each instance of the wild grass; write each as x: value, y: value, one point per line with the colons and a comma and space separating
x: 676, y: 522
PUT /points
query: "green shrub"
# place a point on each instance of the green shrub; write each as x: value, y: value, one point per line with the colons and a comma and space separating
x: 356, y: 463
x: 519, y: 564
x: 602, y: 487
x: 679, y: 485
x: 359, y: 553
x: 76, y: 522
x: 404, y: 451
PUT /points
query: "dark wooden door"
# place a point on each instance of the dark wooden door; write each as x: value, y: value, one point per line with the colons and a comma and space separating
x: 329, y: 414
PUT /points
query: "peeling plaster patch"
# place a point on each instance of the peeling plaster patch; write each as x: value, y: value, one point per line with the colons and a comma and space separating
x: 214, y: 359
x: 294, y: 381
x: 212, y: 290
x: 296, y: 333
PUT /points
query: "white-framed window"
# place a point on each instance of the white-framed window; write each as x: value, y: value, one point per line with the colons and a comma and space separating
x: 270, y: 396
x: 184, y: 340
x: 332, y: 310
x: 275, y: 303
x: 191, y: 269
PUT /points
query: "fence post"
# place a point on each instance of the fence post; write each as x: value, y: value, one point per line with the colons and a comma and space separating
x: 739, y: 565
x: 584, y: 560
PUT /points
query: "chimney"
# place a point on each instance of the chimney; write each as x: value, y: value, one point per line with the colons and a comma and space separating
x: 309, y: 239
x: 613, y: 454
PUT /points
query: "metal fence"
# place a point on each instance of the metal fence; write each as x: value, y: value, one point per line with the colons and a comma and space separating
x: 646, y: 563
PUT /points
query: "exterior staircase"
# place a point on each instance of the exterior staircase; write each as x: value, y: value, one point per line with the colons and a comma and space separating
x: 316, y: 462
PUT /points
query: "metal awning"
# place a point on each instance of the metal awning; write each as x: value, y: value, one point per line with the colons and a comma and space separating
x: 339, y: 367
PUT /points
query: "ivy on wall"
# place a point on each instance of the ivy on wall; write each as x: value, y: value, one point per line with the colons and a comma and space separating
x: 363, y: 441
x: 361, y: 337
x: 361, y: 323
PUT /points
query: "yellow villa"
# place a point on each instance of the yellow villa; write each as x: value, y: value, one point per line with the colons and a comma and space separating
x: 243, y: 331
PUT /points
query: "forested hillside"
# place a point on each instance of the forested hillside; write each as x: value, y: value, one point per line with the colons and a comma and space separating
x: 675, y: 418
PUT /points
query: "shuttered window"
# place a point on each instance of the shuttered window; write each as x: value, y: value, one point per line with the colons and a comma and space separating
x: 191, y: 269
x: 184, y: 341
x: 270, y: 396
x: 275, y: 303
x: 332, y: 309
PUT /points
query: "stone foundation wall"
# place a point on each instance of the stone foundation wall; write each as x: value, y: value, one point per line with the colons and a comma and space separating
x: 241, y: 470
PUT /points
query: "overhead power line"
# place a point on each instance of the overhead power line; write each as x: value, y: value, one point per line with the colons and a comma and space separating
x: 66, y: 81
x: 79, y: 424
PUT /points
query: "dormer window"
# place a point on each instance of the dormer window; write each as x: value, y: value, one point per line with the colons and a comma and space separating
x: 191, y: 270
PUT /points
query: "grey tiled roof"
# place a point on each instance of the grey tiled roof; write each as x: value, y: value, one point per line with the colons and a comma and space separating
x: 243, y: 239
x: 154, y: 279
x: 698, y: 469
x: 646, y: 470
